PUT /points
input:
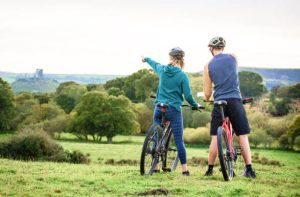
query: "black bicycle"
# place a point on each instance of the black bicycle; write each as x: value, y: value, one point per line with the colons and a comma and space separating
x: 159, y: 144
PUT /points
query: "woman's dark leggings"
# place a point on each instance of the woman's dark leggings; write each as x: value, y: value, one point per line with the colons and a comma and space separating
x: 175, y: 118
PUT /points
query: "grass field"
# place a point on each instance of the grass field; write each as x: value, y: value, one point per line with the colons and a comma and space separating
x: 19, y: 178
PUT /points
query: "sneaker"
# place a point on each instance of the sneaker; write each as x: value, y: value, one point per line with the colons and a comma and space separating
x: 209, y: 173
x: 186, y: 173
x: 249, y: 174
x: 156, y: 171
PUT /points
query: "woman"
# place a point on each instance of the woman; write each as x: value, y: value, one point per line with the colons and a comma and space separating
x: 173, y: 84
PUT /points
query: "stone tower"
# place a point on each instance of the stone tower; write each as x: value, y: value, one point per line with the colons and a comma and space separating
x: 39, y: 74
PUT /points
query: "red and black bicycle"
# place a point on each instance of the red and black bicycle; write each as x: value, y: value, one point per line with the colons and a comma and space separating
x: 228, y: 152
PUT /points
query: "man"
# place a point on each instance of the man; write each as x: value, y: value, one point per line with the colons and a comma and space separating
x: 222, y: 71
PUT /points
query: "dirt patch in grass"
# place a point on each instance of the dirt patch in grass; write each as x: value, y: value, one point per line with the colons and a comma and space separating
x: 199, y: 161
x: 122, y: 162
x: 265, y: 161
x: 154, y: 192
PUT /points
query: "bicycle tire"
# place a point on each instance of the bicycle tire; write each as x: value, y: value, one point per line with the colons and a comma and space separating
x: 170, y: 158
x: 225, y: 162
x: 149, y: 151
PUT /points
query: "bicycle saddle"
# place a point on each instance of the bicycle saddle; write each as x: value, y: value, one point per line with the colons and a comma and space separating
x: 220, y: 103
x: 162, y: 105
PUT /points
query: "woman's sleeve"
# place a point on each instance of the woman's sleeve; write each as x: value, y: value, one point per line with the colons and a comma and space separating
x: 188, y: 93
x: 157, y: 67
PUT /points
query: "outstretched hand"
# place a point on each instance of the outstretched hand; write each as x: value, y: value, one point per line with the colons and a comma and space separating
x: 143, y: 59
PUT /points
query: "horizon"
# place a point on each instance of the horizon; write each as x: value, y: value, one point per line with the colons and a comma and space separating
x: 46, y: 73
x: 108, y: 37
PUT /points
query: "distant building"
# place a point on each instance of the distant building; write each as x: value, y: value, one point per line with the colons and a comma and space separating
x: 39, y: 74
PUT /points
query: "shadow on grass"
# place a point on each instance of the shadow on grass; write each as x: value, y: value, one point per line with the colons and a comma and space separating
x: 98, y: 142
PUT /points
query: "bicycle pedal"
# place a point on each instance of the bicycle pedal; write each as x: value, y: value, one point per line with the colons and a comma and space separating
x: 166, y: 169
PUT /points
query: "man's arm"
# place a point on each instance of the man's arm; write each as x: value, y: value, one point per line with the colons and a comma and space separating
x: 207, y: 83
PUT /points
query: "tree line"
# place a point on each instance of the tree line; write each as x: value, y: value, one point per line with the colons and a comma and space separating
x: 123, y: 106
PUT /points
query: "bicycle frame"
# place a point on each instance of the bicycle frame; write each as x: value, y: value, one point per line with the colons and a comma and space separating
x: 165, y: 125
x: 227, y: 128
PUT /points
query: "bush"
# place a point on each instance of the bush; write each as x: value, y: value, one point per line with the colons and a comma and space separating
x: 144, y: 116
x: 294, y: 129
x: 199, y: 136
x: 200, y: 119
x: 56, y: 125
x: 38, y: 146
x: 257, y: 119
x: 284, y: 141
x: 297, y: 142
x: 278, y: 126
x: 259, y: 136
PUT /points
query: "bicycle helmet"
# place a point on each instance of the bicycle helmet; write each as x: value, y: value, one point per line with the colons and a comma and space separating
x: 217, y: 42
x: 177, y: 53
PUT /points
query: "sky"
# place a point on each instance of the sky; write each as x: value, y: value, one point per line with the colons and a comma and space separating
x: 110, y: 36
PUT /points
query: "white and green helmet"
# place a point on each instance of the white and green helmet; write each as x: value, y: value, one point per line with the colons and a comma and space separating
x: 217, y: 42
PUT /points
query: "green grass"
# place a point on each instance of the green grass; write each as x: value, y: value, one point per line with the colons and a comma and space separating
x: 19, y: 178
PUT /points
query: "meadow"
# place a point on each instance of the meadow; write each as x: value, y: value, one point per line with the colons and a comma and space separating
x: 114, y: 171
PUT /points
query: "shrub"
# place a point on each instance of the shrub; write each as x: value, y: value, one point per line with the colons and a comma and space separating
x: 277, y: 126
x: 56, y: 125
x: 294, y: 129
x: 144, y: 115
x: 197, y: 136
x: 77, y: 157
x: 259, y: 136
x: 297, y: 142
x: 200, y: 119
x: 37, y: 145
x: 257, y: 119
x: 284, y: 141
x: 30, y: 145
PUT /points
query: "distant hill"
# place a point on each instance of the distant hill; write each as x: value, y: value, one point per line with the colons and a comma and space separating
x: 81, y: 78
x: 78, y: 78
x: 273, y: 77
x: 34, y: 85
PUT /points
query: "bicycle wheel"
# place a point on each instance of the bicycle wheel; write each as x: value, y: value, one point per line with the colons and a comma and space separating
x: 170, y: 156
x: 149, y: 156
x: 238, y: 164
x: 225, y: 159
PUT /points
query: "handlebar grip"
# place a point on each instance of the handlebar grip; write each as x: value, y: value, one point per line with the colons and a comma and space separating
x: 247, y: 100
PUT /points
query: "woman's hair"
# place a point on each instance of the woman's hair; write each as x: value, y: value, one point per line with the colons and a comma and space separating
x: 174, y: 61
x: 176, y: 57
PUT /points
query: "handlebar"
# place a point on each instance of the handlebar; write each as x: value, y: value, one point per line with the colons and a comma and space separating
x: 185, y: 105
x: 244, y: 101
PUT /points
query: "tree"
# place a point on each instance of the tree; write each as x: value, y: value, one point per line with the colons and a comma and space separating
x: 95, y: 87
x: 122, y: 119
x: 115, y: 91
x: 251, y: 84
x: 6, y: 105
x: 294, y: 129
x: 144, y: 116
x: 146, y: 86
x: 68, y: 95
x: 138, y: 86
x: 39, y: 113
x: 99, y: 114
x: 24, y: 104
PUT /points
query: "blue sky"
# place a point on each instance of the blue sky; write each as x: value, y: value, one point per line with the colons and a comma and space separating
x: 108, y: 37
